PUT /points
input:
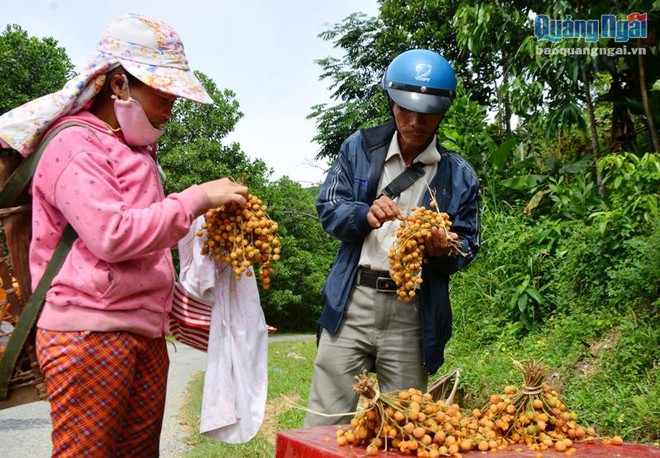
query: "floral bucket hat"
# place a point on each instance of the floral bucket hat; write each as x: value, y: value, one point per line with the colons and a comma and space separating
x: 147, y: 48
x: 152, y: 51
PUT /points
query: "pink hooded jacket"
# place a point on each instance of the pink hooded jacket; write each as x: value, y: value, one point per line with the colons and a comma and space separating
x: 119, y: 273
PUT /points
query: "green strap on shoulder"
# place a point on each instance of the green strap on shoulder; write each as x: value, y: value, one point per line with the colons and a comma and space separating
x: 14, y: 187
x: 19, y: 180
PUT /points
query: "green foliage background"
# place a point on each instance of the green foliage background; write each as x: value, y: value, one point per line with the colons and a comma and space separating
x: 29, y: 67
x: 566, y: 151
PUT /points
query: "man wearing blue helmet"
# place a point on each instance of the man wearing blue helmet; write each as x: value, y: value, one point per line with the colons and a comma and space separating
x: 363, y: 325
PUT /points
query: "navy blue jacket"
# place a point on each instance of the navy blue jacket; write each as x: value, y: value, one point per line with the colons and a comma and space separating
x: 343, y: 203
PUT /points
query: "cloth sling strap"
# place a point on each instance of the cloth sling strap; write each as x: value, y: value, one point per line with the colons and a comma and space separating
x: 14, y: 187
x: 404, y: 180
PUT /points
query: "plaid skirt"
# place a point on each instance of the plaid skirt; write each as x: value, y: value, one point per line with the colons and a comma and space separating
x: 106, y: 392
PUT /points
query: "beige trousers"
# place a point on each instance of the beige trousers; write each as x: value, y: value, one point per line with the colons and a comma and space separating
x: 378, y: 333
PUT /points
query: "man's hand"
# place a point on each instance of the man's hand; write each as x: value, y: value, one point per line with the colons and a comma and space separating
x: 437, y: 245
x: 383, y: 209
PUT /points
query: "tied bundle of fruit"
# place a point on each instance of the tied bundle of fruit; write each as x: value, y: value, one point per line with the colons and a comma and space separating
x: 407, y: 253
x: 408, y: 421
x: 5, y: 308
x: 242, y: 236
x: 6, y: 305
x: 533, y: 414
x: 15, y: 287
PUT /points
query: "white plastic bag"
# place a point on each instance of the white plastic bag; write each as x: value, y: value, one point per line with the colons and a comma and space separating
x: 236, y: 378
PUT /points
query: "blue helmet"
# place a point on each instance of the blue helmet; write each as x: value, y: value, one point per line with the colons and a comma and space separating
x: 420, y: 80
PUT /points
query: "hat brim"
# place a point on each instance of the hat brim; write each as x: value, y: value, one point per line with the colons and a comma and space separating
x: 420, y: 103
x: 174, y: 81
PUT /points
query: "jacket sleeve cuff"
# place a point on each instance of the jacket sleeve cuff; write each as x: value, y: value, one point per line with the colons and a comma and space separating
x: 195, y: 200
x: 361, y: 221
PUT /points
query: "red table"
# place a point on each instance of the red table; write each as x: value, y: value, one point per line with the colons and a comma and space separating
x: 320, y: 442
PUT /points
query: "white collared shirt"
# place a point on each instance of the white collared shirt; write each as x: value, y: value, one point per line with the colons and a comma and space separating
x: 377, y: 244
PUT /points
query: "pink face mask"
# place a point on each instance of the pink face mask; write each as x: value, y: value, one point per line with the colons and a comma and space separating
x: 133, y: 121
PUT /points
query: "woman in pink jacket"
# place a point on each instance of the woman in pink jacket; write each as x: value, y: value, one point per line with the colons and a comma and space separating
x: 100, y: 336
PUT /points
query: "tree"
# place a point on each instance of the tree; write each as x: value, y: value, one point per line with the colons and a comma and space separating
x: 191, y: 151
x: 293, y: 301
x: 30, y: 67
x: 354, y: 81
x: 488, y: 35
x: 429, y: 24
x: 572, y: 84
x: 648, y: 110
x: 369, y: 45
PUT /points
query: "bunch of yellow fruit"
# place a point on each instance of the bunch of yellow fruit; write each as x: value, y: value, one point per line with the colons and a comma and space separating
x: 410, y: 422
x: 242, y: 236
x: 407, y: 253
x: 533, y: 414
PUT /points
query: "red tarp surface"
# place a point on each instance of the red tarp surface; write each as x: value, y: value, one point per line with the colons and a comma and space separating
x: 320, y: 442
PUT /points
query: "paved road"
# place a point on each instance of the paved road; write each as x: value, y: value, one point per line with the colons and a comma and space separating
x: 25, y: 430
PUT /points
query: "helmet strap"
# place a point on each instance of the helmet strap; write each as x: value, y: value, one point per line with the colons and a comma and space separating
x: 389, y: 104
x: 421, y: 89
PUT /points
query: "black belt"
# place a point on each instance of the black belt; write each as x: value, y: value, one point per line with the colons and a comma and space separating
x: 379, y: 280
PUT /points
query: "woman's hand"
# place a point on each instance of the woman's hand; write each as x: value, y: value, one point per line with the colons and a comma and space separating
x: 224, y: 191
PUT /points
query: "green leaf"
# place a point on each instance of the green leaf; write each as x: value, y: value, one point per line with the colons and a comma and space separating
x: 522, y: 303
x: 523, y: 182
x: 501, y: 155
x: 534, y: 294
x: 576, y: 167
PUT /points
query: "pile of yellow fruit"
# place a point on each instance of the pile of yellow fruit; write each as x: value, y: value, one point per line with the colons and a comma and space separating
x: 412, y: 423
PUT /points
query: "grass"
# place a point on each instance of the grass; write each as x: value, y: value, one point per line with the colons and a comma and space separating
x: 591, y: 358
x: 290, y: 366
